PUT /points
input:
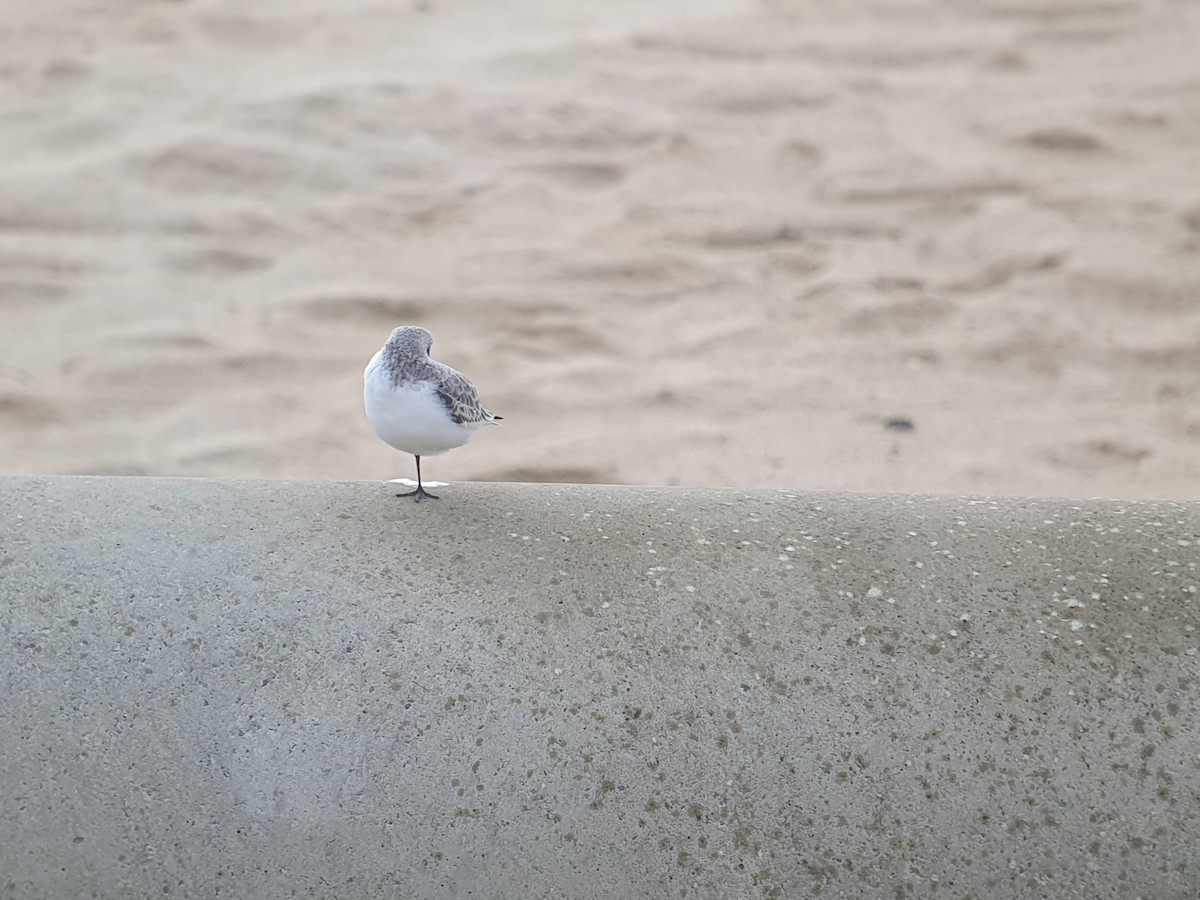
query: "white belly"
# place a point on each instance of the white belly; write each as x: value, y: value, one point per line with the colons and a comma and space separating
x: 412, y: 419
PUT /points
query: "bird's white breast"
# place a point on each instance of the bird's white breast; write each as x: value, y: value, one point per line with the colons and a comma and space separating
x: 412, y: 418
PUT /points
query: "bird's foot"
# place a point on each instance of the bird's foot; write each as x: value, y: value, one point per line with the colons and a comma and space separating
x: 419, y: 494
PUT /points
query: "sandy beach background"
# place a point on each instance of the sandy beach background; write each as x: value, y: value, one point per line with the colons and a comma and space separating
x: 715, y: 243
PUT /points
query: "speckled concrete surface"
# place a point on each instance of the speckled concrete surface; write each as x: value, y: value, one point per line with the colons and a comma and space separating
x: 318, y: 690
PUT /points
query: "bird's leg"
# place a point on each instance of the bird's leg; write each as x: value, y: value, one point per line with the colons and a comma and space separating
x: 420, y: 492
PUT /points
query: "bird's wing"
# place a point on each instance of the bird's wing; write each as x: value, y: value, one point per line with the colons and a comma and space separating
x: 461, y: 400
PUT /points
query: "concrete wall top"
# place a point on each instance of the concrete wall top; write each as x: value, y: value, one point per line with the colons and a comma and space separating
x: 221, y: 688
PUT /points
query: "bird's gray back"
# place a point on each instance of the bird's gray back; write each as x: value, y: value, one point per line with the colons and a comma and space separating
x: 406, y: 360
x: 460, y: 396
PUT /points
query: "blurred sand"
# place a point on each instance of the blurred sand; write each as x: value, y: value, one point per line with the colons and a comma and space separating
x: 712, y: 243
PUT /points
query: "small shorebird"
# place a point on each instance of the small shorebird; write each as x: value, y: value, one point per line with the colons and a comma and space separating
x: 418, y: 405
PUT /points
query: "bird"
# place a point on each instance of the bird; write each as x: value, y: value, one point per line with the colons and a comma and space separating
x: 417, y: 404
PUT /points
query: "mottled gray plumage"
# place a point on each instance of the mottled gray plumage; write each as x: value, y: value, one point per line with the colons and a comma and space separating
x: 406, y: 355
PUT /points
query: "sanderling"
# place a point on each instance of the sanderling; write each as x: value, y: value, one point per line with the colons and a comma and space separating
x: 418, y: 405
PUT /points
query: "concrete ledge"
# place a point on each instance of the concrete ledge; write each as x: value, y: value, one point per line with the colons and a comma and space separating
x: 259, y: 689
